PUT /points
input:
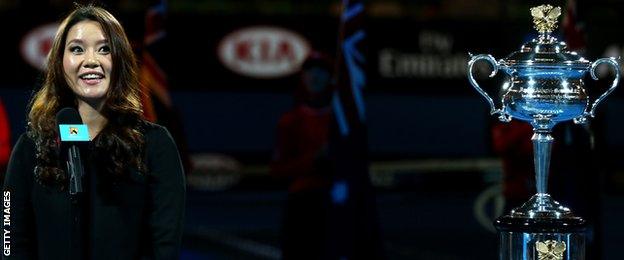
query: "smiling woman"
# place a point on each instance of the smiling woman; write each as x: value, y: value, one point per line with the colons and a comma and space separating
x: 133, y: 200
x: 87, y: 62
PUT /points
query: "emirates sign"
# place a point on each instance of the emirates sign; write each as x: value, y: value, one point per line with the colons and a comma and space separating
x: 37, y: 43
x: 263, y: 51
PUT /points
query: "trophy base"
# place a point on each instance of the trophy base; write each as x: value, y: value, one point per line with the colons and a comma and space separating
x: 541, y: 229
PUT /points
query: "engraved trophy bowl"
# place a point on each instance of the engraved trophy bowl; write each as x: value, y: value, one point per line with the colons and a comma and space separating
x: 544, y: 87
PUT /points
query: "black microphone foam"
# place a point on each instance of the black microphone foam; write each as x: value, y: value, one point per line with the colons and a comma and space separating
x: 68, y: 116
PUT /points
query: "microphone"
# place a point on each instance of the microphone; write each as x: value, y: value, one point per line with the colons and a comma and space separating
x: 72, y: 133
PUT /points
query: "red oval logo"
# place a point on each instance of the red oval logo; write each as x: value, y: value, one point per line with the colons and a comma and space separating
x: 263, y: 51
x: 37, y: 43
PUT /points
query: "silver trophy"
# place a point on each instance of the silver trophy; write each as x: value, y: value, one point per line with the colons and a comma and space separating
x: 545, y: 87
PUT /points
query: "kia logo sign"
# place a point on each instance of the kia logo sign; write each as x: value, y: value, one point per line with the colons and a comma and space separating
x: 36, y: 45
x: 263, y: 52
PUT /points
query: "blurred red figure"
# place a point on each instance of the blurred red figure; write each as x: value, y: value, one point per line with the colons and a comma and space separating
x: 301, y: 156
x: 5, y: 141
x: 512, y: 143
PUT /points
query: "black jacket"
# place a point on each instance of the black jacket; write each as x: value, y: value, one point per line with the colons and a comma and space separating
x: 136, y: 217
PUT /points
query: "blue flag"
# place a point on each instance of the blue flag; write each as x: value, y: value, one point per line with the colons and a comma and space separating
x: 354, y: 229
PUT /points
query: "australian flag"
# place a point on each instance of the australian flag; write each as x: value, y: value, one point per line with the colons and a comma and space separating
x: 153, y: 78
x: 157, y: 104
x: 354, y: 228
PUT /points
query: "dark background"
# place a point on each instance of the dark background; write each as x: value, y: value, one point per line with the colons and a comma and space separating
x: 429, y: 131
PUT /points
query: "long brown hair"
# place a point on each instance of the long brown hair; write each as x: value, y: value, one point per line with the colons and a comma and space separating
x: 121, y: 142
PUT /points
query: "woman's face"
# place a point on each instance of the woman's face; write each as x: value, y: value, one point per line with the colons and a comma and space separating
x: 87, y: 61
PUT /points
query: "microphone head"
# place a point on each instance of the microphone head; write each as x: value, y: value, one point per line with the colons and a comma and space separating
x: 71, y: 128
x: 68, y: 116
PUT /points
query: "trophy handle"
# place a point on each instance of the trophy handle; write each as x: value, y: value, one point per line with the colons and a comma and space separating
x: 502, y: 116
x: 616, y: 66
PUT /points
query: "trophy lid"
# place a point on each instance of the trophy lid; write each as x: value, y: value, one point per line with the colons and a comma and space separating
x: 541, y: 214
x: 545, y: 50
x: 541, y: 205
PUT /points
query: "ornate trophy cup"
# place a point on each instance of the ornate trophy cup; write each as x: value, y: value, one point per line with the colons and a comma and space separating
x: 545, y: 87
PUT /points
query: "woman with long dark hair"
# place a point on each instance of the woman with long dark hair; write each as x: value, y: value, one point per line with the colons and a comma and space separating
x: 133, y: 200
